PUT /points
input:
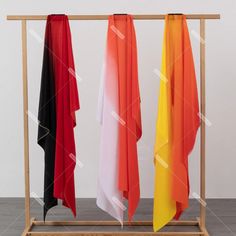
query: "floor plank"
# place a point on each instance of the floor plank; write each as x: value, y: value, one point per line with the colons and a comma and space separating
x: 221, y: 216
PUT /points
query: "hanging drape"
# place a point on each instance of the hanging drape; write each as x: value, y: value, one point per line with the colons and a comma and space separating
x: 120, y: 118
x: 177, y: 123
x: 57, y: 106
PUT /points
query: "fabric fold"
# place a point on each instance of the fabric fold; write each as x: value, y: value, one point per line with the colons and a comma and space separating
x: 120, y: 117
x: 177, y: 123
x: 47, y: 122
x: 164, y: 205
x: 58, y: 103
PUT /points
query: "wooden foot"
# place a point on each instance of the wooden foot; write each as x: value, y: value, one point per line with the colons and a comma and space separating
x: 27, y: 229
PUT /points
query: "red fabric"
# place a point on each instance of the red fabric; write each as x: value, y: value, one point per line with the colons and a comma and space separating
x: 130, y: 129
x: 67, y: 103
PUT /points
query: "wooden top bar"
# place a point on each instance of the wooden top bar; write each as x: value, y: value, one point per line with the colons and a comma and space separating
x: 105, y: 17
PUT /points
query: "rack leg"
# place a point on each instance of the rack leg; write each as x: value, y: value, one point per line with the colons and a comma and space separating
x: 203, y: 113
x: 26, y: 130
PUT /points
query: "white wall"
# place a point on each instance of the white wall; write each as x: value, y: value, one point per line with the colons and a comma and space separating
x: 89, y: 43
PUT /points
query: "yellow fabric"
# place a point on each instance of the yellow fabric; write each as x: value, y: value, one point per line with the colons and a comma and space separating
x: 164, y: 207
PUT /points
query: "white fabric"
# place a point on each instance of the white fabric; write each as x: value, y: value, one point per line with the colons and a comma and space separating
x: 109, y: 198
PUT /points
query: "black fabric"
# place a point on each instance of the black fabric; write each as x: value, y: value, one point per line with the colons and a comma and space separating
x: 47, y: 123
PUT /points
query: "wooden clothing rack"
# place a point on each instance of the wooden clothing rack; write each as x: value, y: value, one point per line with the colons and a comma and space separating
x: 31, y: 222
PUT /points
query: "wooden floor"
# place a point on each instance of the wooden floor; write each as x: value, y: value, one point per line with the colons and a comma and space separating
x: 221, y: 216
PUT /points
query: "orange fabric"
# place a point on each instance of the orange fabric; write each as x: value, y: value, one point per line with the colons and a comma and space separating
x: 185, y: 108
x: 130, y: 129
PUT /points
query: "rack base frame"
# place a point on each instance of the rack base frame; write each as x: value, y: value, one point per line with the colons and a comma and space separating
x: 31, y: 222
x: 29, y: 231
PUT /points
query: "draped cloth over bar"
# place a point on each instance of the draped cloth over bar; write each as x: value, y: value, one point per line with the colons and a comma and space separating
x: 120, y: 117
x: 177, y: 123
x: 57, y: 106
